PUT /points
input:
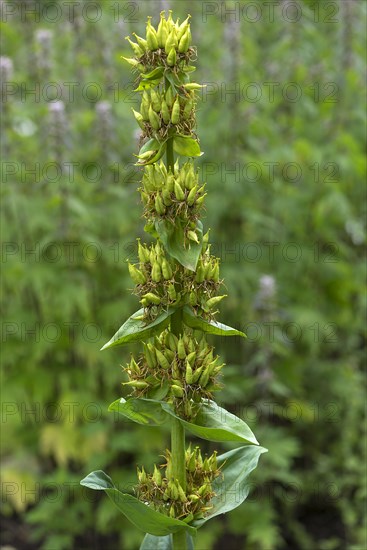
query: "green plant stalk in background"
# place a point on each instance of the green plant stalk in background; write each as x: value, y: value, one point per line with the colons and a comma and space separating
x: 177, y: 281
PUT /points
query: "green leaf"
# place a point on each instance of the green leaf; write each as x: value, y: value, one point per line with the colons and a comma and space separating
x: 135, y: 330
x: 210, y: 327
x: 186, y: 146
x: 141, y: 515
x: 154, y: 74
x: 173, y: 238
x: 142, y: 411
x: 232, y: 489
x: 151, y: 542
x: 211, y: 422
x: 147, y: 83
x: 98, y: 480
x: 151, y: 145
x: 216, y: 424
x: 154, y: 145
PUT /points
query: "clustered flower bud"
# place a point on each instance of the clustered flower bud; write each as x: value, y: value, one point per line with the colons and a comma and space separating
x: 165, y: 494
x: 181, y: 370
x: 166, y: 51
x: 161, y: 282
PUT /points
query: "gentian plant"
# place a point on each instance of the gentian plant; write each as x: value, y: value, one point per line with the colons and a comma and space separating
x: 178, y: 283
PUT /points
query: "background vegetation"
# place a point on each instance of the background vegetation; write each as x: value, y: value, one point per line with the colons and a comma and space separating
x: 282, y: 126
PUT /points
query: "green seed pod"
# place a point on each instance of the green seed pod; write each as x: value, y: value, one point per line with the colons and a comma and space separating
x: 175, y: 116
x: 170, y: 97
x: 139, y: 118
x: 162, y: 31
x: 169, y: 354
x: 193, y: 299
x: 191, y: 357
x: 175, y: 369
x: 183, y: 27
x: 213, y: 462
x: 179, y: 193
x: 171, y: 58
x: 152, y: 298
x: 192, y: 195
x: 150, y: 358
x: 188, y: 373
x: 214, y: 301
x: 181, y: 493
x: 192, y: 463
x: 166, y: 197
x: 173, y: 490
x: 136, y: 48
x: 170, y: 183
x: 162, y: 360
x: 155, y: 100
x: 166, y: 270
x: 172, y: 341
x: 189, y: 105
x: 137, y: 276
x: 157, y: 476
x: 144, y: 107
x: 193, y: 498
x: 200, y: 200
x: 172, y: 513
x: 177, y: 391
x: 151, y: 36
x: 156, y: 273
x: 196, y: 375
x: 171, y: 41
x: 142, y: 253
x: 154, y: 119
x: 142, y: 43
x: 204, y: 378
x: 193, y: 236
x: 142, y: 476
x: 185, y: 41
x: 199, y: 277
x: 165, y: 112
x: 159, y: 205
x: 172, y: 292
x: 181, y: 349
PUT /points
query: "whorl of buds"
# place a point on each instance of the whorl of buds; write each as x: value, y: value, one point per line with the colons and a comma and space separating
x: 166, y: 494
x: 182, y: 370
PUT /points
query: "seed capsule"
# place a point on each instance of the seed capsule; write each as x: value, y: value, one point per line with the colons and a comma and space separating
x: 159, y: 205
x: 214, y: 301
x: 180, y: 195
x: 139, y: 118
x: 154, y: 119
x: 156, y: 100
x: 181, y: 349
x: 156, y: 273
x: 193, y: 236
x: 171, y: 41
x: 153, y: 298
x: 166, y: 270
x: 165, y: 112
x: 188, y: 374
x: 137, y: 276
x: 192, y: 195
x: 151, y: 36
x: 138, y: 384
x: 172, y: 292
x: 136, y: 48
x: 177, y: 391
x: 142, y: 43
x: 162, y: 32
x: 185, y: 41
x: 175, y: 116
x: 162, y: 360
x: 171, y: 58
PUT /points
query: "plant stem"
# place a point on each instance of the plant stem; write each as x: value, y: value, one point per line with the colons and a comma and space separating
x: 177, y: 430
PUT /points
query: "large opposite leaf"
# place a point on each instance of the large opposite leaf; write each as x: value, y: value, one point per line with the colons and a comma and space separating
x: 141, y: 515
x: 186, y: 146
x: 211, y: 422
x: 173, y: 239
x: 216, y: 424
x: 135, y: 330
x: 210, y: 327
x: 232, y: 489
x: 142, y: 411
x: 151, y: 542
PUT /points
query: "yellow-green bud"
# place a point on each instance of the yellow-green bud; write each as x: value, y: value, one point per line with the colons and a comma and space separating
x: 175, y: 116
x: 165, y: 112
x: 151, y: 36
x: 137, y: 276
x: 154, y: 119
x: 171, y: 57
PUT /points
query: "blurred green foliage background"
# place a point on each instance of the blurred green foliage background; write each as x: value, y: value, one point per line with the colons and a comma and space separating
x: 283, y: 129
